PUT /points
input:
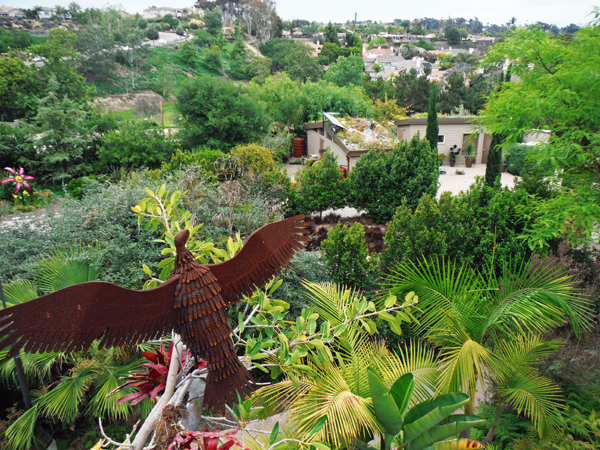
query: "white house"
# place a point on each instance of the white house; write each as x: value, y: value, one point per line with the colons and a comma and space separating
x: 161, y: 11
x: 9, y: 11
x: 457, y: 131
x: 48, y: 13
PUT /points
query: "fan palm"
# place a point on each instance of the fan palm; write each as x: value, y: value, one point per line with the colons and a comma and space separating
x: 92, y: 374
x: 332, y: 384
x: 483, y: 325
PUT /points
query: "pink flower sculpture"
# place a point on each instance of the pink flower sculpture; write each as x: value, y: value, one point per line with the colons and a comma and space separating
x: 18, y: 179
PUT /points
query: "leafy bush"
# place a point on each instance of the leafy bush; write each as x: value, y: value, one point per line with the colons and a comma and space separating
x: 318, y: 187
x: 102, y: 222
x: 203, y: 156
x: 517, y: 159
x: 380, y: 181
x: 415, y: 235
x: 346, y: 254
x: 304, y: 266
x: 136, y: 144
x: 254, y: 157
x: 218, y: 114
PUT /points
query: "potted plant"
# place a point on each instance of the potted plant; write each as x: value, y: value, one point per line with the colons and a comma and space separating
x: 469, y: 154
x: 441, y: 158
x: 454, y: 152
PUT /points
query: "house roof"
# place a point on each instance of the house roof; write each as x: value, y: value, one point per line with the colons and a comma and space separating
x: 11, y: 10
x: 441, y: 121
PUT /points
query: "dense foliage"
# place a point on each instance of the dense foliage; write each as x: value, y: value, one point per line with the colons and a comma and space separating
x: 381, y: 180
x: 554, y: 80
x: 219, y: 114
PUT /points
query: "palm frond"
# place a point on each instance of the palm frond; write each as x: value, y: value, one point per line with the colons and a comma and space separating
x: 20, y: 434
x: 539, y: 398
x: 63, y: 268
x: 415, y: 358
x: 20, y: 291
x: 108, y: 379
x: 441, y: 287
x: 63, y: 402
x: 521, y: 353
x: 331, y: 300
x: 349, y: 416
x: 464, y: 363
x: 535, y: 297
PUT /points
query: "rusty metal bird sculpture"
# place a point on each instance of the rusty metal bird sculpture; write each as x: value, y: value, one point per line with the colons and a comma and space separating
x: 192, y: 303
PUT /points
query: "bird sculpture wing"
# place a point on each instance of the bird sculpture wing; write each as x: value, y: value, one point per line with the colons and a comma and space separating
x: 268, y: 250
x: 72, y: 318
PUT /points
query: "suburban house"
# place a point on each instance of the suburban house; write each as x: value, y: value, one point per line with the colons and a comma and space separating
x: 407, y: 38
x: 161, y: 11
x: 375, y: 52
x: 9, y: 11
x: 49, y: 13
x: 344, y: 140
x: 392, y: 64
x: 457, y: 131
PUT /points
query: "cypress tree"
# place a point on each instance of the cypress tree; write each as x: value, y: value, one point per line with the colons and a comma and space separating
x: 493, y: 168
x: 433, y: 130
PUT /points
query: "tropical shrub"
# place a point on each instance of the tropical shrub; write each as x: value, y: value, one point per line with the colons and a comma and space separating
x: 346, y: 254
x: 517, y: 158
x: 136, y: 144
x: 218, y: 114
x: 254, y: 157
x: 381, y: 180
x: 415, y: 235
x: 318, y: 187
x: 490, y: 329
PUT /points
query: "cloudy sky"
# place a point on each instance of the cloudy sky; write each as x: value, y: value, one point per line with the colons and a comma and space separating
x: 559, y: 12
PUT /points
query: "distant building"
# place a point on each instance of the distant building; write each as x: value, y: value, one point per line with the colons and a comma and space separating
x: 162, y: 11
x: 9, y: 11
x: 48, y: 13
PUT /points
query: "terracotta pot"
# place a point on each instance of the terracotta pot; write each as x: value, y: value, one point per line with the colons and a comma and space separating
x: 468, y: 162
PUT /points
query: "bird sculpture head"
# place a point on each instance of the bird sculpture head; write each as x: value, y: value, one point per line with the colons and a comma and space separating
x: 181, y: 240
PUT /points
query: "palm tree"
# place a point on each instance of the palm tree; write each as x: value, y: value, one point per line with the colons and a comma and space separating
x: 489, y: 328
x: 332, y: 385
x: 92, y: 374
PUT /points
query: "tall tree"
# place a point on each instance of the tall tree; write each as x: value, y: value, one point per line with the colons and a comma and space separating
x: 433, y: 129
x: 62, y: 137
x: 331, y: 34
x: 493, y: 167
x: 554, y: 80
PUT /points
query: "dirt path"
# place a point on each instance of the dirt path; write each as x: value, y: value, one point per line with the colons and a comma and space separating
x: 253, y: 49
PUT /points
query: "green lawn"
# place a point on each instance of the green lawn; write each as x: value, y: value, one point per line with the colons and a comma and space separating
x: 169, y: 110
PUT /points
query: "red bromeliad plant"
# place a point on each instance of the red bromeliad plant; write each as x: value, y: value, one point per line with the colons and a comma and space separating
x: 151, y: 380
x: 205, y: 440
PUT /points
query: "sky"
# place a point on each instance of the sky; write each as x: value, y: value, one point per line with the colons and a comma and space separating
x: 559, y: 12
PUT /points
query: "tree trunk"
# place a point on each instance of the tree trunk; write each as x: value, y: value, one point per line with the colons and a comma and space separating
x: 490, y: 436
x: 470, y: 408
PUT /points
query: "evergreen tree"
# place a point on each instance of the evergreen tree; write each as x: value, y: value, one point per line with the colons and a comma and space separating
x: 331, y: 34
x: 62, y: 146
x: 433, y: 129
x: 493, y: 169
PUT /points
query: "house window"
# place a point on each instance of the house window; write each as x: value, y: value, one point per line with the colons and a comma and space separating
x: 441, y: 138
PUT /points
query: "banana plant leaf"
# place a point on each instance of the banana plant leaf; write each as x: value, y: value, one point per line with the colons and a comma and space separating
x: 428, y: 414
x: 456, y: 424
x: 386, y: 409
